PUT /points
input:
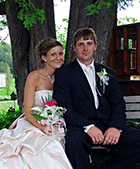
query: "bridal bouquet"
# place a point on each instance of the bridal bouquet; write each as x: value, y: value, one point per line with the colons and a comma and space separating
x: 51, y: 114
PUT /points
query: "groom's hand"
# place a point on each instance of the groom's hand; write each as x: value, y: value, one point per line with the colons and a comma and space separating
x: 96, y: 134
x: 111, y: 136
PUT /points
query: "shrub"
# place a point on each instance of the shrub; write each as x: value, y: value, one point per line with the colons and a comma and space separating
x: 8, y: 117
x: 134, y: 123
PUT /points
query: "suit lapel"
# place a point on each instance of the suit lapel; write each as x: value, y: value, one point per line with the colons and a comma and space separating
x: 98, y: 85
x: 79, y: 74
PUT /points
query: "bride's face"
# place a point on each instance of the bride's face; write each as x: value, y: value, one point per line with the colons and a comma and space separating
x: 55, y: 57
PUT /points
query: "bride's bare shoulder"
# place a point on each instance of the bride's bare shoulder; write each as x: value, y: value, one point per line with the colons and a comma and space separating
x: 34, y: 75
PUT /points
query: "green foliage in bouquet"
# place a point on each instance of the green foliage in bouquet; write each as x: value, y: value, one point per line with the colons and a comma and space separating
x: 39, y: 118
x: 51, y: 114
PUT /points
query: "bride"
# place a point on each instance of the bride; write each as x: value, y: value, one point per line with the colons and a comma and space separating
x: 30, y: 145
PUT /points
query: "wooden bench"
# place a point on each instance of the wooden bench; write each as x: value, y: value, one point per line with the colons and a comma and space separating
x: 132, y: 107
x: 132, y: 112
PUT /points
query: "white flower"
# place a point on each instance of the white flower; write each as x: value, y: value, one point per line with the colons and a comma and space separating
x: 51, y: 114
x: 37, y: 109
x: 103, y: 75
x: 48, y: 109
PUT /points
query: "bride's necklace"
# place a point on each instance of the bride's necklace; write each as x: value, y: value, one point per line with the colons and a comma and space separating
x: 52, y: 80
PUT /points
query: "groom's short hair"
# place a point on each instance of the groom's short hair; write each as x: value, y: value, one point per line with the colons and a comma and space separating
x: 86, y: 33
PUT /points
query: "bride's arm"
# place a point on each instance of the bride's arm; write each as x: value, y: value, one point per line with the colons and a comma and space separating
x: 29, y: 94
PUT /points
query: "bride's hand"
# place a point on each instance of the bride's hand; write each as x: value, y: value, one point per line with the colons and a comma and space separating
x: 48, y: 130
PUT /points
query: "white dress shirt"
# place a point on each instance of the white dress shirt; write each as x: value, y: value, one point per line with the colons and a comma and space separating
x: 91, y: 79
x: 93, y: 87
x: 92, y: 82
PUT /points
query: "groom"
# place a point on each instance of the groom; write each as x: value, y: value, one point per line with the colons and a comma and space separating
x: 95, y: 108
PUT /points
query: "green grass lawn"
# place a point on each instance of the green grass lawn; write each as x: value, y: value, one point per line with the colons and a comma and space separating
x: 5, y: 105
x: 9, y: 109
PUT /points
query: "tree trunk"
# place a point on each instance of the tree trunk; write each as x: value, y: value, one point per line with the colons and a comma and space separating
x: 40, y: 31
x: 101, y: 23
x: 23, y: 41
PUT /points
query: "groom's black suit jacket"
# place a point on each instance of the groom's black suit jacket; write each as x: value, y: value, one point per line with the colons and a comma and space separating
x: 72, y: 90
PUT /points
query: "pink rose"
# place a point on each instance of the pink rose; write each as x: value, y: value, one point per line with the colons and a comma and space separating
x: 43, y: 122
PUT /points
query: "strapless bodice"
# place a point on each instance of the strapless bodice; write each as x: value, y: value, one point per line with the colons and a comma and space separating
x: 38, y: 97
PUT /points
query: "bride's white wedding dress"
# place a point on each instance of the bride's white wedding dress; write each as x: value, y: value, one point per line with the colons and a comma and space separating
x: 27, y: 147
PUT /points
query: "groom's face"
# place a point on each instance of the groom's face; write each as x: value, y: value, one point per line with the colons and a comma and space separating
x: 85, y: 50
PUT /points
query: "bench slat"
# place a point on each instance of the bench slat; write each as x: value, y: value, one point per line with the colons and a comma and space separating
x: 132, y: 115
x: 132, y: 98
x: 129, y: 114
x: 132, y: 107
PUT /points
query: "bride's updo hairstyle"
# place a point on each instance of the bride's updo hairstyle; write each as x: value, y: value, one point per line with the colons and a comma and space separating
x: 44, y: 46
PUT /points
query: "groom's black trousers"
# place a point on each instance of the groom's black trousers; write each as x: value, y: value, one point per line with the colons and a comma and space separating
x: 78, y: 145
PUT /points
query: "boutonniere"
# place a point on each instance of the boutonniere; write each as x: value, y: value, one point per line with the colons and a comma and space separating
x: 104, y: 78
